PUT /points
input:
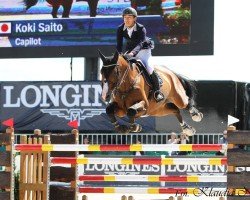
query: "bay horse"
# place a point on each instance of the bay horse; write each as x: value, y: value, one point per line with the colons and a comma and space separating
x: 66, y: 4
x: 132, y: 96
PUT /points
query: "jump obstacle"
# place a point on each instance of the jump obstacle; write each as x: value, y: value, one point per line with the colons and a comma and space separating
x: 7, y: 161
x: 37, y: 172
x: 120, y: 148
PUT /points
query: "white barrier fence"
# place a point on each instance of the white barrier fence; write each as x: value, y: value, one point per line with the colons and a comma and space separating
x: 144, y: 138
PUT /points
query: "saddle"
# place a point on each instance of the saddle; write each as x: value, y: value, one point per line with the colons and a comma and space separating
x: 142, y: 69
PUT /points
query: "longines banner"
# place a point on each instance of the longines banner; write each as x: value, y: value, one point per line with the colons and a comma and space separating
x: 171, y: 170
x: 49, y: 106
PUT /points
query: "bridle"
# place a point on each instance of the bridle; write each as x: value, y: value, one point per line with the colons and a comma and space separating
x: 121, y: 80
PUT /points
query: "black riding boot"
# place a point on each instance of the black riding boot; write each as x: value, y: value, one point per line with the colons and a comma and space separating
x: 156, y: 87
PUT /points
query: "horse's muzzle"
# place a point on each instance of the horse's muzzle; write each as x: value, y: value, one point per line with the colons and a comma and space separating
x: 105, y: 90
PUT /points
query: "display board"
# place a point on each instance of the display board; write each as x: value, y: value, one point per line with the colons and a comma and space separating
x: 29, y: 28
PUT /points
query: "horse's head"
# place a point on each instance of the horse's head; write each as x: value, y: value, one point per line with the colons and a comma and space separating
x: 117, y: 73
x: 109, y: 74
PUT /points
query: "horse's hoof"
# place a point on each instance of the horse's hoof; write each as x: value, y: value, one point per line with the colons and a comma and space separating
x: 122, y: 129
x: 189, y: 131
x: 136, y: 128
x: 197, y: 117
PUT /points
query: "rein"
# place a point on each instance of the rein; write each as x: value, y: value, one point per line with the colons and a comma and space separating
x: 122, y: 80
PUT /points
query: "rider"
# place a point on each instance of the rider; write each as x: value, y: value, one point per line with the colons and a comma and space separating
x: 138, y: 45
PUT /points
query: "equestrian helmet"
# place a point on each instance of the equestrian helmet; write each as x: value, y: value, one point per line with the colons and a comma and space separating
x: 129, y: 11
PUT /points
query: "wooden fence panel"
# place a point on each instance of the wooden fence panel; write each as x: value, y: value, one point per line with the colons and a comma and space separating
x: 5, y: 179
x: 5, y: 159
x: 238, y: 157
x: 238, y: 179
x: 4, y: 195
x: 238, y: 198
x: 238, y: 137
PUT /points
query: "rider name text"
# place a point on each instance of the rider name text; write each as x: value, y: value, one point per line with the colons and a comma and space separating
x: 39, y: 27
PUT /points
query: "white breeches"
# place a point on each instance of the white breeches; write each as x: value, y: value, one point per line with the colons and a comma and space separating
x: 144, y: 55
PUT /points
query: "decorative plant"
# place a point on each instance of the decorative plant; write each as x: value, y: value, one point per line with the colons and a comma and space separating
x: 178, y: 17
x: 179, y: 21
x: 151, y: 7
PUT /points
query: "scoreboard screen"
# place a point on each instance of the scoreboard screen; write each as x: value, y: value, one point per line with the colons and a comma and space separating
x: 77, y: 28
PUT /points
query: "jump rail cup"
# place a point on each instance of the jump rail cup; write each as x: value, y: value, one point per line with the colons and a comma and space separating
x: 6, y: 155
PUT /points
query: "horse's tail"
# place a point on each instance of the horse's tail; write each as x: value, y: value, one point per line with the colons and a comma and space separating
x: 29, y: 3
x: 190, y: 88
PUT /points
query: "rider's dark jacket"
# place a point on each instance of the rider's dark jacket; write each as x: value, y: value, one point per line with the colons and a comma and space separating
x: 134, y: 43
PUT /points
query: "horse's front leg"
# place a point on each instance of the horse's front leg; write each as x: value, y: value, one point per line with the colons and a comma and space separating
x: 111, y: 110
x: 137, y: 109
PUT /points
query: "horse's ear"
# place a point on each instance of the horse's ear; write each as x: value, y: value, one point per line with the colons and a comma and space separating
x: 102, y: 56
x: 115, y: 57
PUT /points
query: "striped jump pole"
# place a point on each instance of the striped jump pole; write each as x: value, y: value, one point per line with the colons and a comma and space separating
x: 153, y: 178
x: 140, y: 161
x: 133, y: 147
x: 148, y: 190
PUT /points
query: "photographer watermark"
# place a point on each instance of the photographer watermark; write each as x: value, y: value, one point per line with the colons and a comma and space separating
x: 213, y: 192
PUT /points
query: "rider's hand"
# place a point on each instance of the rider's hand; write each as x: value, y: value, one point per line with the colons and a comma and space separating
x: 129, y: 55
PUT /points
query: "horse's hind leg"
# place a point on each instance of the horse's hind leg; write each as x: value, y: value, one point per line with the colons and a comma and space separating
x: 186, y: 129
x: 182, y: 101
x: 194, y: 112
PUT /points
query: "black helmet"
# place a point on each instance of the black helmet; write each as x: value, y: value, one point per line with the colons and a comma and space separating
x: 129, y: 11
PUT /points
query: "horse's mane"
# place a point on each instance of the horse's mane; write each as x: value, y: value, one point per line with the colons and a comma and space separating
x: 122, y: 61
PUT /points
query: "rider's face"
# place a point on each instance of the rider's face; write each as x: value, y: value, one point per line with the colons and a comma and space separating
x: 129, y: 20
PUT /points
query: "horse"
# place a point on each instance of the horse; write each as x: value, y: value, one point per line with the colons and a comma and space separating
x: 131, y: 95
x: 66, y: 4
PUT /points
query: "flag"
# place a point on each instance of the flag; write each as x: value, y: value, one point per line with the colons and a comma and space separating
x: 9, y: 122
x: 73, y: 124
x: 5, y: 27
x: 231, y: 120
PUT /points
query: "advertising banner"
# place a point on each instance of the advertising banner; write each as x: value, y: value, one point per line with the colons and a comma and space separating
x: 50, y: 106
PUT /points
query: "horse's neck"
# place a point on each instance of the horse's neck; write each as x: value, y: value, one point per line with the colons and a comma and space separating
x: 128, y: 81
x: 134, y: 78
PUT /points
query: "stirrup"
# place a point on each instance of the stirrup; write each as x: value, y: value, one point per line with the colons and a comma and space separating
x: 158, y: 96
